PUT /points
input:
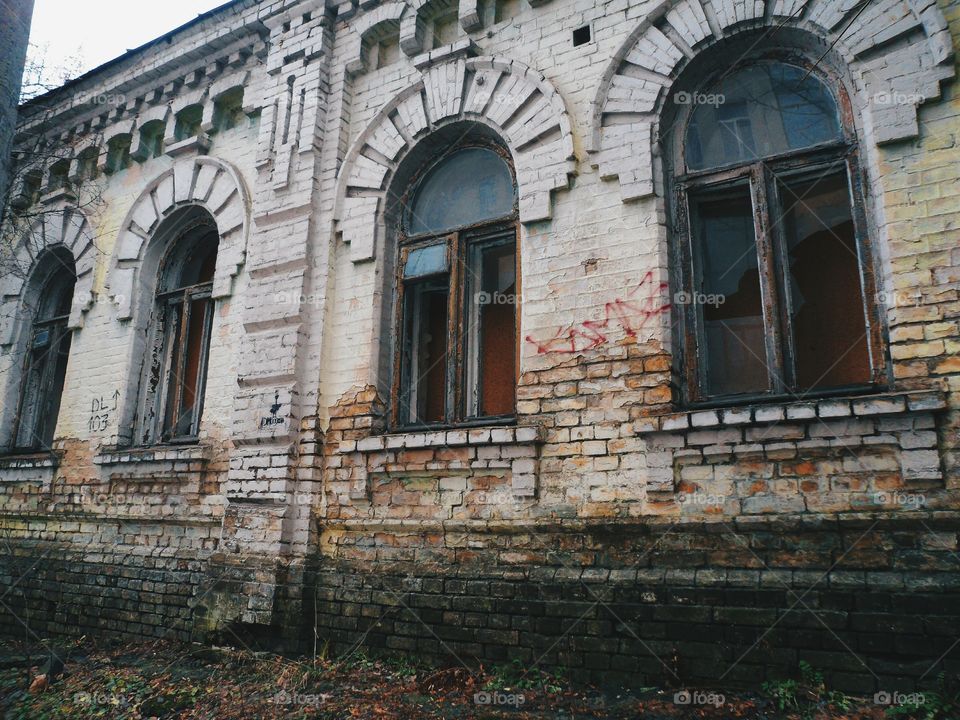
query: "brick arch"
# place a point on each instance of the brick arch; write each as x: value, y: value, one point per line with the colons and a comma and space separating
x: 895, y: 46
x: 210, y: 183
x: 517, y: 103
x: 65, y: 227
x: 382, y: 18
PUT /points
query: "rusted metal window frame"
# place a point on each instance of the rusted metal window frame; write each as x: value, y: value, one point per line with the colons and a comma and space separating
x: 761, y: 177
x: 457, y: 241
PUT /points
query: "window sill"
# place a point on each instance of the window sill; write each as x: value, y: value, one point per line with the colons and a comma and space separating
x: 153, y: 454
x: 832, y: 408
x: 417, y: 439
x: 29, y: 461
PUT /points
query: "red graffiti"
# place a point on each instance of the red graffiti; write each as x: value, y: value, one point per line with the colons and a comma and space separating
x: 630, y: 315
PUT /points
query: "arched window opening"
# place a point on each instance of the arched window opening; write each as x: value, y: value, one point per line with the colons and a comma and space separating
x: 458, y: 291
x: 180, y: 337
x: 773, y: 255
x: 48, y: 348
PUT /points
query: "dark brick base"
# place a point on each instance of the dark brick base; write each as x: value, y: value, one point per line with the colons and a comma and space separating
x: 845, y: 607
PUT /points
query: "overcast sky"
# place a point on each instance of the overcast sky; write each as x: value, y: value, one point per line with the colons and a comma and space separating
x: 95, y: 31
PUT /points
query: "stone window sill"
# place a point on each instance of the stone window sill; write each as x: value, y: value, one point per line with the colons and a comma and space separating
x: 153, y: 454
x: 832, y: 408
x: 29, y: 461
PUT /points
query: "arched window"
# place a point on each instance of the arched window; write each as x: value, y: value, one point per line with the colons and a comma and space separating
x: 458, y: 290
x: 48, y: 347
x: 777, y: 292
x: 176, y: 367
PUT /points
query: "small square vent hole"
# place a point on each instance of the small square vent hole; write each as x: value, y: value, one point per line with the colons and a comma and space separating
x: 581, y: 35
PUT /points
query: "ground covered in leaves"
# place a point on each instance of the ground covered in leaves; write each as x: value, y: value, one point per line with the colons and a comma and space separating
x: 167, y: 681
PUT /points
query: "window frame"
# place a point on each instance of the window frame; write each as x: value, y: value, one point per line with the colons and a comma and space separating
x: 459, y: 241
x: 49, y: 391
x: 168, y: 338
x: 761, y: 176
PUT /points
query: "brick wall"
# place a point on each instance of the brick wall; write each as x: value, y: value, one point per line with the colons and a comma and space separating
x: 301, y: 507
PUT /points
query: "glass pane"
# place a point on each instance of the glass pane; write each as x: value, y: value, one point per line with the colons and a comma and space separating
x: 42, y: 388
x: 31, y: 400
x: 491, y: 340
x: 426, y: 261
x: 827, y: 304
x: 54, y: 390
x: 424, y: 391
x: 727, y: 293
x: 57, y: 293
x: 760, y: 111
x: 469, y: 186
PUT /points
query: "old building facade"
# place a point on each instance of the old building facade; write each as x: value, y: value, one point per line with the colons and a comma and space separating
x: 616, y: 335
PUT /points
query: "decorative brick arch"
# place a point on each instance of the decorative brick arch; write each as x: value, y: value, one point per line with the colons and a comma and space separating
x: 517, y: 103
x: 893, y: 47
x: 368, y: 25
x: 205, y: 181
x: 65, y: 227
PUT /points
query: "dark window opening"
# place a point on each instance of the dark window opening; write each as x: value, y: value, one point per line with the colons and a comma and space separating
x: 458, y: 293
x: 776, y: 295
x: 179, y: 349
x: 581, y: 36
x: 45, y: 363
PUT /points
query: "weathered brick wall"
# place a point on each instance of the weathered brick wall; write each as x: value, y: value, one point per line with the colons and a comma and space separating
x: 870, y: 602
x: 301, y: 506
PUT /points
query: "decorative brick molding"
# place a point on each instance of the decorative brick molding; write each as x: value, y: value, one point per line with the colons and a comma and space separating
x: 486, y: 90
x: 638, y: 82
x: 67, y: 227
x: 211, y: 183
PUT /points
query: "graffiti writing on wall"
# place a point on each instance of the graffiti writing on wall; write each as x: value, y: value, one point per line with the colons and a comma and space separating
x: 100, y: 412
x: 647, y: 300
x: 273, y: 419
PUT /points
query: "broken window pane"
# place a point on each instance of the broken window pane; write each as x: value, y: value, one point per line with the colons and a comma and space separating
x: 467, y: 187
x: 425, y: 353
x: 427, y: 260
x: 491, y: 341
x: 727, y: 292
x: 763, y: 110
x: 826, y: 297
x: 181, y: 339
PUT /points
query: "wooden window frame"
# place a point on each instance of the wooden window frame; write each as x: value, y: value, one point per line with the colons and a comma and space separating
x: 48, y: 393
x: 761, y: 176
x: 170, y: 331
x: 458, y: 243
